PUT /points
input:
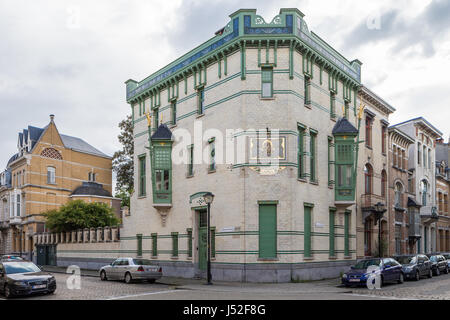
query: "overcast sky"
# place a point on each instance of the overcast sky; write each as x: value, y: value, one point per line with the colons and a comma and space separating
x: 71, y: 58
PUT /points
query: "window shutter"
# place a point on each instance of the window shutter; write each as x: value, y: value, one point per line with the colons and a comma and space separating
x: 267, y: 231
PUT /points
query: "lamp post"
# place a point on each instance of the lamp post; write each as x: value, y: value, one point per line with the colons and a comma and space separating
x: 379, y: 211
x: 209, y: 197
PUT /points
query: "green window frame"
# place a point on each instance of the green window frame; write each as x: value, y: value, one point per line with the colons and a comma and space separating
x: 212, y: 155
x: 190, y: 166
x: 213, y: 242
x: 201, y: 101
x: 347, y: 233
x: 189, y: 242
x: 139, y: 245
x: 154, y: 244
x: 332, y: 105
x: 266, y: 82
x: 162, y: 180
x: 313, y: 155
x: 307, y: 253
x: 156, y: 118
x: 174, y: 112
x: 174, y: 244
x: 267, y: 231
x: 162, y: 171
x: 346, y: 109
x: 330, y: 161
x: 300, y: 152
x: 332, y: 250
x: 307, y: 89
x: 142, y: 176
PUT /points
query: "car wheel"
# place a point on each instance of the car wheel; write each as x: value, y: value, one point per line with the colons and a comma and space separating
x: 381, y: 282
x: 401, y: 279
x: 103, y: 276
x: 446, y: 270
x: 438, y: 272
x: 128, y: 277
x: 430, y: 274
x: 7, y: 292
x: 417, y: 278
x: 51, y: 292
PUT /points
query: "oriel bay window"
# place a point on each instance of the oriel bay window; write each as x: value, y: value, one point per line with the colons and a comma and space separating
x: 161, y: 155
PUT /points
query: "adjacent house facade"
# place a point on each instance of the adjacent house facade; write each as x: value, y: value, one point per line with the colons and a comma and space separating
x: 48, y: 170
x: 442, y: 195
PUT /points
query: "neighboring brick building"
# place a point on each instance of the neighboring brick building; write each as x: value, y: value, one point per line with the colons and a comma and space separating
x: 400, y: 240
x: 48, y: 170
x: 442, y: 195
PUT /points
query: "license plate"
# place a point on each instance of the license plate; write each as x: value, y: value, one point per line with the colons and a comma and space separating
x: 355, y: 280
x: 151, y: 270
x: 41, y: 286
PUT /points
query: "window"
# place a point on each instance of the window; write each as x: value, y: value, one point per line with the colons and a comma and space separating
x: 424, y: 156
x: 91, y: 176
x: 424, y: 190
x: 139, y: 245
x: 429, y: 158
x: 267, y: 231
x: 307, y: 84
x: 156, y: 118
x: 332, y: 105
x: 419, y: 156
x: 189, y: 244
x: 383, y: 183
x: 346, y: 108
x: 383, y: 139
x: 18, y: 206
x: 174, y: 112
x: 368, y: 238
x: 368, y: 175
x: 154, y: 244
x: 213, y: 242
x: 267, y: 83
x: 212, y: 155
x: 162, y: 180
x: 395, y: 156
x: 369, y: 121
x: 300, y: 152
x: 307, y: 231
x: 312, y: 151
x: 398, y: 195
x: 331, y: 232
x: 174, y: 244
x: 330, y: 161
x: 190, y: 169
x: 200, y: 101
x: 162, y: 171
x: 50, y: 175
x: 142, y: 177
x: 347, y: 233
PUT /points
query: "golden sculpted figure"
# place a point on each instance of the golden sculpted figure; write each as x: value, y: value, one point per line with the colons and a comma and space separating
x: 149, y: 119
x: 361, y: 110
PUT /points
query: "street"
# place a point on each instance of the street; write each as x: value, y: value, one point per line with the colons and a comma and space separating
x: 92, y: 288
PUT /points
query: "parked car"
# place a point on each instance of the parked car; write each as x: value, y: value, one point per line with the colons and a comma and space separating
x: 10, y: 257
x: 129, y: 269
x: 447, y: 256
x: 415, y: 266
x: 439, y: 264
x: 24, y: 278
x: 391, y: 271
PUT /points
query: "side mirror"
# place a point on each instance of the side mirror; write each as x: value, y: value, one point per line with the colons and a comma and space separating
x: 387, y: 266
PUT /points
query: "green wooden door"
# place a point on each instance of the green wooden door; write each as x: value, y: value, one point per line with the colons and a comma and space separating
x: 267, y: 231
x: 202, y: 243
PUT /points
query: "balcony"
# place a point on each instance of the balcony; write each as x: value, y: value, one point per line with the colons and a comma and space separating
x: 15, y: 221
x: 368, y: 202
x: 429, y: 214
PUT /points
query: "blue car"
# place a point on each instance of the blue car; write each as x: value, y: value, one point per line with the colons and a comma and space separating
x: 390, y: 271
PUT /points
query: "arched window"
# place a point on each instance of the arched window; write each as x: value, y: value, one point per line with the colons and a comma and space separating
x: 424, y: 190
x: 383, y: 183
x: 368, y: 177
x: 398, y: 195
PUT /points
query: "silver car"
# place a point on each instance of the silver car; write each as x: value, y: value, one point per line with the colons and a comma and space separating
x: 129, y: 269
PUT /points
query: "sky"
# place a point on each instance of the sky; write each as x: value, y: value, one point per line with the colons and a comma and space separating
x: 71, y: 58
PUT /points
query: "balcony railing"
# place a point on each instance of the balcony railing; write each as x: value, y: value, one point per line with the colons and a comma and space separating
x: 368, y: 201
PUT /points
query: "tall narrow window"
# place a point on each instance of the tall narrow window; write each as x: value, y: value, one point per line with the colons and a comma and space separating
x: 212, y: 155
x: 383, y: 139
x: 156, y: 118
x: 398, y: 195
x: 154, y: 244
x: 51, y: 175
x: 142, y: 177
x: 368, y: 175
x: 395, y: 156
x: 312, y: 150
x: 174, y: 112
x: 189, y: 244
x: 307, y: 89
x: 267, y: 231
x: 429, y: 158
x: 213, y: 242
x: 369, y: 121
x: 347, y: 233
x: 267, y: 83
x: 174, y: 244
x: 330, y: 160
x: 424, y: 190
x: 200, y: 101
x: 139, y: 245
x: 332, y: 105
x: 419, y: 154
x: 190, y: 169
x: 346, y: 108
x: 383, y: 184
x: 424, y: 156
x: 307, y: 231
x: 332, y: 233
x: 18, y: 214
x: 300, y: 152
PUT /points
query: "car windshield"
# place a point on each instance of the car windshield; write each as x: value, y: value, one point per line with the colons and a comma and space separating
x: 433, y: 258
x: 142, y: 262
x: 20, y: 267
x: 364, y: 264
x: 406, y: 260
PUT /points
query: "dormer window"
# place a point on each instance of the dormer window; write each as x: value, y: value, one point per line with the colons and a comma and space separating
x: 92, y: 177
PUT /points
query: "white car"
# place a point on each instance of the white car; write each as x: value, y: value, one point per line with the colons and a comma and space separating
x: 129, y: 269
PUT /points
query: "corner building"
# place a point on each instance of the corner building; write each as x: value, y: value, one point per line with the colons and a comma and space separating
x: 292, y: 221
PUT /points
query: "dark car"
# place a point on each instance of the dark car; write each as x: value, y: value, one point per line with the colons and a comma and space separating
x: 415, y: 266
x: 439, y: 264
x: 391, y: 271
x: 447, y: 256
x: 11, y: 257
x: 24, y: 278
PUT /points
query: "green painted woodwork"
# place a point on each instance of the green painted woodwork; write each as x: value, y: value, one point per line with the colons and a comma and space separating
x: 266, y: 82
x: 139, y: 244
x: 174, y: 112
x: 201, y: 101
x: 154, y: 244
x: 243, y: 66
x: 332, y: 105
x: 212, y: 155
x: 174, y: 244
x: 267, y: 230
x: 301, y: 151
x: 307, y: 231
x: 330, y: 161
x: 202, y: 247
x: 190, y: 166
x: 213, y: 242
x: 189, y: 242
x: 331, y: 232
x: 307, y: 90
x: 344, y: 167
x: 346, y: 233
x: 313, y: 154
x: 142, y: 176
x: 161, y: 155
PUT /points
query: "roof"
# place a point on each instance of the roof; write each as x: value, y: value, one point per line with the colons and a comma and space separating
x: 162, y: 133
x: 344, y: 126
x: 91, y: 189
x: 413, y: 203
x: 375, y: 99
x: 420, y: 119
x: 77, y: 144
x: 13, y: 158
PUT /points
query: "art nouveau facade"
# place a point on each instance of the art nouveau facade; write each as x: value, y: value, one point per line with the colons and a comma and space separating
x: 284, y: 204
x: 48, y: 170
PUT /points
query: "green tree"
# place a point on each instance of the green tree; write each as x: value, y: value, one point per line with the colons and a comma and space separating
x: 79, y: 215
x: 123, y: 162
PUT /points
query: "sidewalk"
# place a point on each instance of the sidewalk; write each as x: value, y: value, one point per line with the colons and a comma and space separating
x: 322, y: 286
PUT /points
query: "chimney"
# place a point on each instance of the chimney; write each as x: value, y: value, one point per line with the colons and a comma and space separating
x: 52, y: 117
